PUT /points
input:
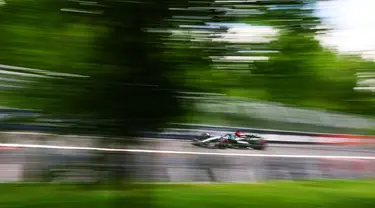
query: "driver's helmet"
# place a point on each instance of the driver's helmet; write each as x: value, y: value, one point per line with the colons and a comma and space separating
x: 238, y: 133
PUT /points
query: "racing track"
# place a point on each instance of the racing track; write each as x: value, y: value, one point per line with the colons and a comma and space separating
x: 221, y: 168
x: 273, y: 149
x: 177, y: 167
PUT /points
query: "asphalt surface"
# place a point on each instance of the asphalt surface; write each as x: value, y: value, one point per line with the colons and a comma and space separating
x: 197, y: 168
x: 273, y: 149
x: 218, y: 168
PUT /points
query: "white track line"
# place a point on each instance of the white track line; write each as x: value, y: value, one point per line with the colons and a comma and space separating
x: 180, y: 152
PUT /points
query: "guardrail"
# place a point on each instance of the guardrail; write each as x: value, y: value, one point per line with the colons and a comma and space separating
x: 254, y: 130
x: 189, y: 131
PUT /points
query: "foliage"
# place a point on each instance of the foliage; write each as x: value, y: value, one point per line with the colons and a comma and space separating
x: 134, y: 59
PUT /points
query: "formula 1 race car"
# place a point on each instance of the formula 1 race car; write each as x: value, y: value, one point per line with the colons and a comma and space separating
x: 229, y: 141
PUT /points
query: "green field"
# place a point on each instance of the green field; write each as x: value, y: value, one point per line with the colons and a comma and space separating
x: 279, y: 194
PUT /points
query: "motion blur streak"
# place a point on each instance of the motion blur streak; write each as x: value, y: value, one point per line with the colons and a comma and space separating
x: 183, y: 152
x: 63, y: 164
x: 123, y: 71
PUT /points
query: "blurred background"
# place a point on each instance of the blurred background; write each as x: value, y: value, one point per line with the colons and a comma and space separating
x: 118, y: 74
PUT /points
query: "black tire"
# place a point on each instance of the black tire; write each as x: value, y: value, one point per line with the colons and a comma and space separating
x: 261, y: 146
x: 222, y: 145
x: 204, y: 136
x: 206, y: 145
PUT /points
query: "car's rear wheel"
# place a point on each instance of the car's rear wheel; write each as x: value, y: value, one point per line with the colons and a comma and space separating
x: 222, y: 145
x: 204, y: 136
x: 261, y: 145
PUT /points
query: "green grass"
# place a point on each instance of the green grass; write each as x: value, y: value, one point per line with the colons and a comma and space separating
x: 277, y: 194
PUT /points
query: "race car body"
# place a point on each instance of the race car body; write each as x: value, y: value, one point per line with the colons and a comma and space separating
x: 231, y: 141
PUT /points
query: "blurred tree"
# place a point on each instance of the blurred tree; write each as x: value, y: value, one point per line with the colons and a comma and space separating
x: 146, y: 59
x: 299, y: 70
x: 130, y: 55
x: 130, y: 62
x: 288, y: 76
